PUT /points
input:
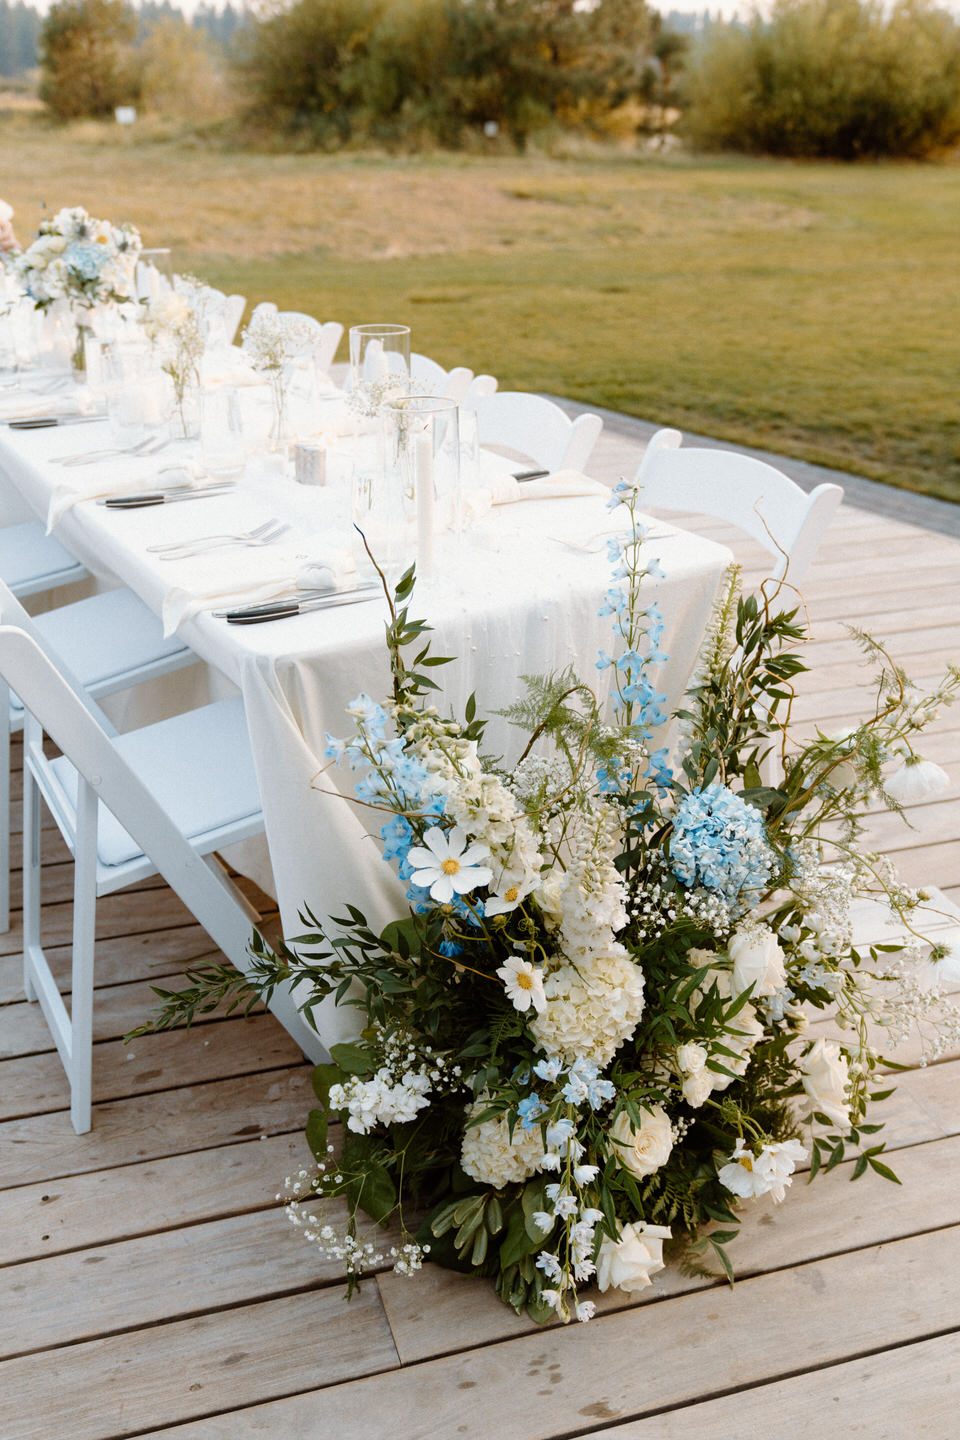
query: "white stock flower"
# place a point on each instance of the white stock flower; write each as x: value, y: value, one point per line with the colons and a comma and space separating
x: 592, y: 1009
x: 757, y: 960
x: 769, y: 1173
x: 447, y: 865
x: 523, y: 983
x: 490, y: 1156
x: 826, y: 1074
x: 643, y: 1151
x: 629, y: 1262
x: 915, y: 780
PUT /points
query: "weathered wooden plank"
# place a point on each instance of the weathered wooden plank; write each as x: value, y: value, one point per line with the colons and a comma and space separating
x: 83, y: 1210
x: 36, y: 1084
x: 159, y: 1277
x: 828, y: 1217
x: 632, y: 1362
x: 120, y: 959
x: 105, y: 1388
x: 58, y: 884
x: 118, y: 1009
x: 129, y: 912
x: 886, y: 1397
x: 145, y: 1127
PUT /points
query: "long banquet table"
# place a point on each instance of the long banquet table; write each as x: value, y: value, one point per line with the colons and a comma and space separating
x: 511, y: 599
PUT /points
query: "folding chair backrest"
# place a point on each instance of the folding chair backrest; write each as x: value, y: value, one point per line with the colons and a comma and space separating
x: 750, y: 494
x: 12, y: 613
x: 535, y: 426
x: 232, y: 315
x: 452, y: 384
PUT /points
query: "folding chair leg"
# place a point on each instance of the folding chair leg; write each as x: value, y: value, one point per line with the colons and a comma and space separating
x: 4, y: 807
x: 84, y: 933
x: 31, y: 880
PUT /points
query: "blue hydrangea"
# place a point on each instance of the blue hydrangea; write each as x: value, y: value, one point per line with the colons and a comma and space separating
x: 719, y: 842
x: 85, y: 260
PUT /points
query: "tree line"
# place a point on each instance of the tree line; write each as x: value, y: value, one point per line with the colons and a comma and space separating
x: 834, y: 78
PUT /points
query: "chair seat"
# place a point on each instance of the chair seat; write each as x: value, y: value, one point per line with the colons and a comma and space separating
x: 103, y: 638
x: 31, y: 560
x: 199, y: 768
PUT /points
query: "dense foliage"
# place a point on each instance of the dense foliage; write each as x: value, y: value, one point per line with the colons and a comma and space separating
x: 332, y: 70
x: 843, y: 79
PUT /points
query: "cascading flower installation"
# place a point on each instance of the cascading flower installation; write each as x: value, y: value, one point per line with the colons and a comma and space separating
x: 596, y: 1031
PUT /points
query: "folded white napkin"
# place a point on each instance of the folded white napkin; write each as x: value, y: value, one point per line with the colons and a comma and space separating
x: 29, y: 407
x: 118, y: 481
x: 503, y: 489
x: 269, y: 574
x: 229, y: 366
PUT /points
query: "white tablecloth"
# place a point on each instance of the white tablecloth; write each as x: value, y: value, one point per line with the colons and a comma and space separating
x: 513, y: 600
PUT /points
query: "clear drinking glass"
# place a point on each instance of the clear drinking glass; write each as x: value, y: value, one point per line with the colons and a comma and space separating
x: 136, y: 399
x: 422, y: 460
x: 379, y: 354
x: 222, y: 447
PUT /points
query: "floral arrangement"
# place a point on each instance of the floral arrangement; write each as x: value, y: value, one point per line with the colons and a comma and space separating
x: 174, y: 321
x: 274, y: 343
x: 595, y: 1033
x: 77, y: 258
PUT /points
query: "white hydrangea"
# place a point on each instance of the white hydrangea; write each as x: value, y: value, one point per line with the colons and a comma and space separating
x: 592, y: 1009
x: 381, y: 1100
x: 490, y: 1156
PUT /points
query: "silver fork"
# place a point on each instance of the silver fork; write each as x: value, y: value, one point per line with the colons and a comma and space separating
x: 151, y: 446
x: 264, y: 534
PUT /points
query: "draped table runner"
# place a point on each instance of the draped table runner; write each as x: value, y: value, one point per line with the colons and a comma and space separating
x: 509, y: 599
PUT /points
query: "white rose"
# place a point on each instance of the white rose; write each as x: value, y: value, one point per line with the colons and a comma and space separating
x: 691, y: 1058
x: 6, y: 211
x: 643, y: 1151
x: 757, y: 961
x: 697, y: 1087
x: 825, y: 1074
x: 549, y: 896
x: 628, y: 1263
x: 171, y: 309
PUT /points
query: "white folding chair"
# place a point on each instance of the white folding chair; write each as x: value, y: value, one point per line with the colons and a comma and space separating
x: 749, y: 493
x: 232, y: 315
x: 32, y: 561
x: 158, y: 800
x: 451, y: 384
x: 482, y: 385
x: 534, y: 426
x: 113, y: 642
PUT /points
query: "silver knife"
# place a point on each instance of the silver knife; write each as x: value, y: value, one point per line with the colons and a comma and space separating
x: 284, y: 609
x: 165, y: 497
x: 45, y: 422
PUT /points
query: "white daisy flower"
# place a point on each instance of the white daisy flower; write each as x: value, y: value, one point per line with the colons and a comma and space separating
x: 448, y: 865
x: 523, y: 984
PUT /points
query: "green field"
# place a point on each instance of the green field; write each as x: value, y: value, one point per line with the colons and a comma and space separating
x: 812, y: 309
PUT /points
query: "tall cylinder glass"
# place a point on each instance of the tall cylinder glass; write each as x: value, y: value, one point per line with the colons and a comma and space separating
x: 379, y: 359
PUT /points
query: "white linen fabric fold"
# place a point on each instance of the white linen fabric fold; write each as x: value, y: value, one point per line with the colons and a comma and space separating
x: 252, y: 576
x: 121, y: 475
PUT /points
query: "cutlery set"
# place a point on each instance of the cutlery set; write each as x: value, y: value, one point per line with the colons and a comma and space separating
x: 264, y: 534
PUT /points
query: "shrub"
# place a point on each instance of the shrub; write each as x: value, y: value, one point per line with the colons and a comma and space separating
x: 831, y: 78
x: 86, y: 58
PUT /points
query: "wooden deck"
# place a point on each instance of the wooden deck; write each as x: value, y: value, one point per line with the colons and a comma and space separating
x: 150, y: 1286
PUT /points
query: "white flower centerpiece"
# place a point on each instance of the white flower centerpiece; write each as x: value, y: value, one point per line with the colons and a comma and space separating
x: 273, y: 344
x: 587, y: 1039
x: 80, y: 261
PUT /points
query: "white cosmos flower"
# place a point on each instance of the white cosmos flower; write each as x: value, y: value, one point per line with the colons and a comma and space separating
x: 448, y: 865
x: 915, y: 780
x: 523, y: 983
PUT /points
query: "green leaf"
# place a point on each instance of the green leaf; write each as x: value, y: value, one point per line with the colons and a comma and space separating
x: 324, y: 1078
x: 883, y: 1170
x: 354, y: 1059
x: 378, y: 1195
x: 316, y: 1133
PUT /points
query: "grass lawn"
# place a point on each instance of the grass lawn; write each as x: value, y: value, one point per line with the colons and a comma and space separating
x: 810, y: 308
